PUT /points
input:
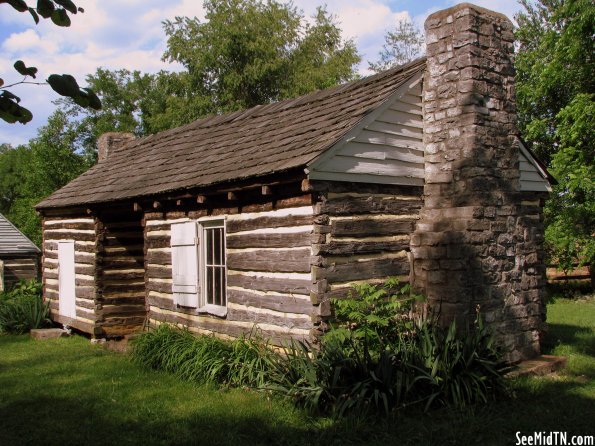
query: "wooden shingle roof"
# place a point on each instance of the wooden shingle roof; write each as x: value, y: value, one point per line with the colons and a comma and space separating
x: 259, y: 141
x: 13, y: 241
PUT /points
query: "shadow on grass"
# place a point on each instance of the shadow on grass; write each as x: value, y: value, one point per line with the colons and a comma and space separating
x: 544, y: 405
x: 36, y: 421
x: 580, y: 338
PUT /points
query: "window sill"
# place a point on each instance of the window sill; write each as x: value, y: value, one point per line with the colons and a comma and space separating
x: 215, y: 310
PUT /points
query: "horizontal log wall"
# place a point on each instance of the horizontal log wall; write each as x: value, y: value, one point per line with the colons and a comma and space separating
x: 82, y: 230
x: 269, y: 271
x: 20, y: 267
x: 364, y: 232
x: 121, y: 308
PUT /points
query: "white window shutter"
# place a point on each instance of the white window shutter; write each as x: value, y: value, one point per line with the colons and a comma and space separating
x: 184, y: 257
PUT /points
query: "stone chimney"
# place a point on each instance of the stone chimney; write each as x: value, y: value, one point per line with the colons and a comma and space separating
x: 109, y: 142
x: 475, y: 245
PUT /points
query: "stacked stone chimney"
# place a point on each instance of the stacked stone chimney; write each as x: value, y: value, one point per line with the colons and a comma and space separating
x: 478, y: 241
x: 109, y: 142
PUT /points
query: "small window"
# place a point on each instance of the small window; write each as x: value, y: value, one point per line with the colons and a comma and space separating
x: 214, y: 271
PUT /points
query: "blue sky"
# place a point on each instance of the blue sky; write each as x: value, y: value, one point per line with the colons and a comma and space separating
x: 128, y: 34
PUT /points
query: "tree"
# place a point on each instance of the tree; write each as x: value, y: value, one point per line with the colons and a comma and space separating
x: 249, y: 53
x: 402, y: 45
x: 47, y: 163
x: 556, y: 105
x: 64, y: 84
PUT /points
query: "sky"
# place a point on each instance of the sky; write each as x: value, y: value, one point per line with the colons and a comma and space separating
x: 117, y: 34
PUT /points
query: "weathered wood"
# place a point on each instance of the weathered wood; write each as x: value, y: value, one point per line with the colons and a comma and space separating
x: 301, y: 200
x: 160, y: 257
x: 347, y: 205
x: 76, y: 236
x: 160, y: 272
x: 160, y: 287
x: 122, y: 310
x: 366, y: 188
x: 270, y: 260
x: 161, y: 302
x: 370, y: 227
x: 306, y: 186
x: 359, y: 247
x: 261, y: 283
x: 235, y: 314
x: 60, y: 225
x: 87, y: 292
x: 371, y: 269
x: 287, y: 240
x: 285, y: 304
x: 114, y: 274
x: 158, y: 242
x: 84, y: 269
x: 267, y: 222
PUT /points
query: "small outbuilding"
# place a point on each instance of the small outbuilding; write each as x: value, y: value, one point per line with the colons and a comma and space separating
x: 19, y: 257
x: 262, y: 216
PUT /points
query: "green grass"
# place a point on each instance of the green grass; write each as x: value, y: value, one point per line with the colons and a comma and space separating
x: 66, y: 391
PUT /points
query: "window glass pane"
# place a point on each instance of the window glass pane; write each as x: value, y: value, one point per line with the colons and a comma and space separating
x: 209, y: 275
x: 217, y: 246
x: 223, y: 290
x: 209, y: 246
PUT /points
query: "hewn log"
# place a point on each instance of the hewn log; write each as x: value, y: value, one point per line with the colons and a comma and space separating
x: 235, y: 314
x: 353, y: 248
x: 114, y: 274
x: 348, y: 205
x: 370, y: 227
x: 270, y: 260
x: 160, y: 257
x: 262, y: 283
x: 81, y: 225
x: 287, y: 240
x: 285, y: 304
x: 160, y: 287
x: 365, y: 188
x: 158, y: 272
x: 84, y: 269
x: 158, y: 242
x: 267, y: 222
x: 301, y: 200
x: 76, y: 236
x: 370, y: 269
x: 122, y: 310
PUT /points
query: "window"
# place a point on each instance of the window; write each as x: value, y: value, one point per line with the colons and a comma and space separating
x: 199, y: 270
x: 213, y: 271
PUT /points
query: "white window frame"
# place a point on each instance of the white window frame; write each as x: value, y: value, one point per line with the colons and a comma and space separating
x: 203, y: 224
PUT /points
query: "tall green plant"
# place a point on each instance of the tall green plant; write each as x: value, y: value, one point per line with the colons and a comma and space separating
x: 22, y: 309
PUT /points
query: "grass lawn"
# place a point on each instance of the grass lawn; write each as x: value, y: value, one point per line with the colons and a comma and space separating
x: 67, y: 391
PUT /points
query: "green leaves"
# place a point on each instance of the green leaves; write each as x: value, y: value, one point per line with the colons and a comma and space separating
x: 20, y: 66
x: 66, y: 85
x: 19, y: 5
x: 45, y: 8
x: 60, y: 18
x: 11, y: 111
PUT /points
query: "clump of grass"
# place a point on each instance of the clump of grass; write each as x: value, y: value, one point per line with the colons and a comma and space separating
x: 22, y: 309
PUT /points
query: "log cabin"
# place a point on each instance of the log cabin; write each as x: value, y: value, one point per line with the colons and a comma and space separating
x: 262, y: 216
x: 19, y: 256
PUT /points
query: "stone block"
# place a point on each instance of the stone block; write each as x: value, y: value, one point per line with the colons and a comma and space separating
x: 47, y: 333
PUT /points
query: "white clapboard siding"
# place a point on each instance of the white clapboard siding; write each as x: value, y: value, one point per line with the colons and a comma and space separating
x: 184, y: 254
x: 387, y: 148
x: 532, y: 176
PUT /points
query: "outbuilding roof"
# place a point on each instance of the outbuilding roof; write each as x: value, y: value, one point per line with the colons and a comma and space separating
x: 13, y: 241
x: 246, y: 144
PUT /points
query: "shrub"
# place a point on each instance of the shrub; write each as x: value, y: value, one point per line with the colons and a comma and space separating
x: 22, y: 308
x: 378, y: 356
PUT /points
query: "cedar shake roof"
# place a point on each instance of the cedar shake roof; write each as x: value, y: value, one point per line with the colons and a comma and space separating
x: 13, y: 241
x: 246, y: 144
